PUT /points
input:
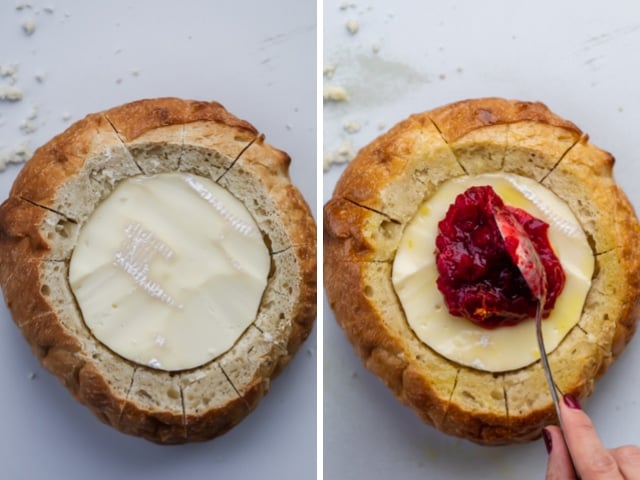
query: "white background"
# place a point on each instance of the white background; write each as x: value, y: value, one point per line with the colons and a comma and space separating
x: 580, y: 58
x: 256, y: 58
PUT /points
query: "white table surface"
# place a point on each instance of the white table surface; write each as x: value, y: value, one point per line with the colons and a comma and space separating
x: 581, y: 59
x: 256, y: 58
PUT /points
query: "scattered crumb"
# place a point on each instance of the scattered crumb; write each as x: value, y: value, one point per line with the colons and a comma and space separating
x: 352, y: 27
x: 135, y: 73
x: 328, y: 70
x: 10, y: 93
x: 375, y: 48
x: 23, y: 5
x: 442, y: 76
x: 29, y: 26
x: 381, y: 126
x: 48, y: 9
x: 344, y: 154
x: 351, y: 126
x: 354, y: 374
x: 334, y: 93
x: 29, y: 125
x: 9, y: 71
x: 344, y: 5
x: 118, y: 81
x: 19, y: 154
x: 66, y: 116
x: 39, y: 77
x: 118, y: 51
x: 459, y: 70
x: 620, y: 109
x: 31, y: 375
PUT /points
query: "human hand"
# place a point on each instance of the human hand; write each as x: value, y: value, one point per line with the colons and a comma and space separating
x: 591, y: 459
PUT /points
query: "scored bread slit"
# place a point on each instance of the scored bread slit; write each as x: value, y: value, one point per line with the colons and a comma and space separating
x: 444, y: 139
x: 371, y: 209
x: 181, y: 155
x: 231, y: 383
x: 52, y: 210
x: 562, y: 156
x: 235, y: 160
x: 184, y: 413
x: 453, y: 389
x: 126, y: 398
x: 123, y: 142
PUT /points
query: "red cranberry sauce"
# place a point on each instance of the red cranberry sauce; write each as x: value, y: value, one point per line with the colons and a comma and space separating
x: 477, y: 276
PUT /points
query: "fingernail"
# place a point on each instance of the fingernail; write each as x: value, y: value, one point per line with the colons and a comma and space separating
x: 571, y: 402
x: 546, y: 436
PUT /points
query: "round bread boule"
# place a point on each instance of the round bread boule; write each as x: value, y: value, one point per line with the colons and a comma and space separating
x: 57, y: 191
x: 381, y: 191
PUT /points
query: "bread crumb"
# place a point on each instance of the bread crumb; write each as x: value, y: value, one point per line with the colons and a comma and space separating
x: 352, y: 27
x: 9, y: 71
x: 381, y: 126
x: 39, y: 77
x: 344, y: 154
x: 66, y: 116
x: 31, y: 375
x: 23, y: 5
x: 118, y: 81
x: 344, y: 5
x: 351, y: 126
x: 29, y: 26
x: 48, y: 9
x: 375, y: 48
x: 10, y: 93
x: 19, y: 154
x: 328, y: 70
x: 334, y: 93
x: 29, y: 125
x: 135, y: 73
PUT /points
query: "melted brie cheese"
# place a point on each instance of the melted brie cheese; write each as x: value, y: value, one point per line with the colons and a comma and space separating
x: 504, y: 348
x: 169, y: 270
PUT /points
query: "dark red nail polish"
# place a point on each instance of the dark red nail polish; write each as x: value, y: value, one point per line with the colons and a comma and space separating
x: 571, y: 402
x: 546, y: 436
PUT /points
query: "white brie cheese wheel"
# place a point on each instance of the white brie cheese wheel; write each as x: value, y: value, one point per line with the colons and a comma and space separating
x: 169, y: 270
x: 458, y: 339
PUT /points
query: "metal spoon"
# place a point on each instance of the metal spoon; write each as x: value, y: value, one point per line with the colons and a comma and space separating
x: 526, y: 258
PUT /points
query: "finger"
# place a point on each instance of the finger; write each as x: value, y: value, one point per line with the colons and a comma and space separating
x: 591, y: 459
x: 559, y: 466
x: 628, y: 459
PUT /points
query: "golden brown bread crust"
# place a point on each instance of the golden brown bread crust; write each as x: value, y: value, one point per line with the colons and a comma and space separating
x: 53, y: 196
x: 379, y: 193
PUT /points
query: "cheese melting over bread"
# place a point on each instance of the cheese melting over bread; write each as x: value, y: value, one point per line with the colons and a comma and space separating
x: 458, y: 339
x: 169, y: 271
